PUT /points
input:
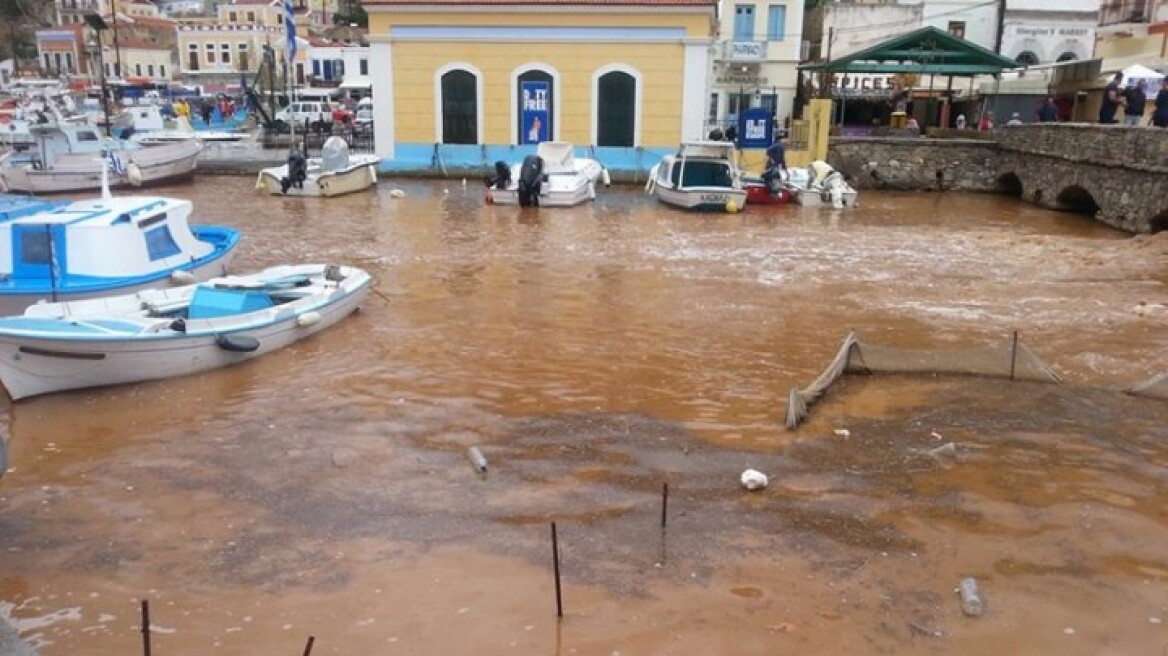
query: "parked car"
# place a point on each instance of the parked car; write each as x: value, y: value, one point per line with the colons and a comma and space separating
x: 363, y: 122
x: 307, y: 114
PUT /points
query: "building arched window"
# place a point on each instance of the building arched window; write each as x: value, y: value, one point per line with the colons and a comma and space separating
x: 1067, y: 56
x: 460, y: 107
x: 1026, y: 58
x: 535, y: 113
x: 616, y: 109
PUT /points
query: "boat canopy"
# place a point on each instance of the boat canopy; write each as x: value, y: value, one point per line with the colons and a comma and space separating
x: 557, y: 156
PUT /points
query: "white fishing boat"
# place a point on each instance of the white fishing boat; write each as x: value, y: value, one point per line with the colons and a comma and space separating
x: 703, y: 175
x: 68, y: 157
x: 162, y: 333
x: 145, y: 124
x: 56, y: 251
x: 334, y: 173
x: 553, y: 177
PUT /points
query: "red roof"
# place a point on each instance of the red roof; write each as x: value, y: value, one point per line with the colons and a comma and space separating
x: 551, y: 3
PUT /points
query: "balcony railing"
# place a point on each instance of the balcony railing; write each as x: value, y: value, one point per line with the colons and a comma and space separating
x: 744, y: 51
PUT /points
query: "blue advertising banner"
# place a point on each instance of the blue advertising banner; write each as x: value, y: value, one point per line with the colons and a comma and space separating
x: 756, y: 128
x: 535, y: 119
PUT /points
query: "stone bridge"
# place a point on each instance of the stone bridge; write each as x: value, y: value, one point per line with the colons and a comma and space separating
x: 1116, y: 173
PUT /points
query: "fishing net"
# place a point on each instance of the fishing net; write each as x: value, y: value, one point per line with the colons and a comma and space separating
x: 1009, y: 359
x: 1155, y: 387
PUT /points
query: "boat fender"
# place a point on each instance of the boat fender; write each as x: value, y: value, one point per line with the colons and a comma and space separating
x: 731, y: 207
x: 307, y: 319
x: 134, y: 174
x: 605, y: 177
x: 396, y: 193
x: 237, y: 343
x: 181, y: 277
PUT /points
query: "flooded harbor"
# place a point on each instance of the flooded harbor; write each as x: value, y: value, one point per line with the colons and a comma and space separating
x: 594, y: 354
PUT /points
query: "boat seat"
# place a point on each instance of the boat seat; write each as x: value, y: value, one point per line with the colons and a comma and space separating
x: 212, y: 302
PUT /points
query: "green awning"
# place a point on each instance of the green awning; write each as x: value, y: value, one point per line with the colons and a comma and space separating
x: 927, y: 50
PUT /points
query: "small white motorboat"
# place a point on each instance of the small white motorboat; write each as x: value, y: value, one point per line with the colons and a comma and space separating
x: 334, y: 173
x: 703, y: 175
x: 60, y: 250
x: 552, y: 177
x: 819, y: 184
x: 162, y: 333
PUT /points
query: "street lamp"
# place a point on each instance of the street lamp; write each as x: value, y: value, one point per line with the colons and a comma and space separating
x: 98, y: 25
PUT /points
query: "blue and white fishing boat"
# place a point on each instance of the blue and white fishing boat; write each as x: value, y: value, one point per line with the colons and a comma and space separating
x: 162, y: 333
x: 57, y: 250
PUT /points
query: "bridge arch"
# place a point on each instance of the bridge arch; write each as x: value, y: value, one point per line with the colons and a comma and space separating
x: 1159, y: 223
x: 1077, y: 199
x: 1010, y: 184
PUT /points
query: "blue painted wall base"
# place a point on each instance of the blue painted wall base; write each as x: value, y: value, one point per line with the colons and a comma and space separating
x: 448, y: 160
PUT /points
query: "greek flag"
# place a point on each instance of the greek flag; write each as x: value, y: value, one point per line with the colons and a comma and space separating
x: 116, y: 165
x: 290, y: 28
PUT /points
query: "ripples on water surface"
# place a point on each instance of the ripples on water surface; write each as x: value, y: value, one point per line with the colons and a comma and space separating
x: 594, y: 354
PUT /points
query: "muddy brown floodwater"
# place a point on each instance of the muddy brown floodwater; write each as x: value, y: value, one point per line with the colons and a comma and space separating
x: 594, y: 354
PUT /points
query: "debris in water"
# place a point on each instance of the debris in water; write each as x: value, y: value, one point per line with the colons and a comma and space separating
x: 754, y: 480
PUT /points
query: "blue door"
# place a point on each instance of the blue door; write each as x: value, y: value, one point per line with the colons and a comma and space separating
x: 38, y: 251
x: 743, y: 22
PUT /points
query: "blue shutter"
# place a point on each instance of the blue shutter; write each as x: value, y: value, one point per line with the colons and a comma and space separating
x: 743, y: 22
x: 776, y: 22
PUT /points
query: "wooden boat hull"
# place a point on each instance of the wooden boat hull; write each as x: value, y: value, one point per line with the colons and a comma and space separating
x: 15, y: 303
x: 702, y: 199
x: 31, y: 366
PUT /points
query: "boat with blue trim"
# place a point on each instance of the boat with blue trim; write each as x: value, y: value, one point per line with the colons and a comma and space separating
x: 162, y: 333
x: 60, y: 250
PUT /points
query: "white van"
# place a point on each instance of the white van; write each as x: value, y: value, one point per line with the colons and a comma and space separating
x: 303, y: 114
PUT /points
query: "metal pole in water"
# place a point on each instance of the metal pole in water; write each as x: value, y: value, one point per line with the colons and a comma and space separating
x: 145, y: 627
x: 1014, y: 355
x: 556, y: 565
x: 664, y: 502
x: 308, y: 646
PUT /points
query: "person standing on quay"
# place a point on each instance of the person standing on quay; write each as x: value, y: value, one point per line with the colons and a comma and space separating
x: 1111, y: 100
x: 1160, y: 116
x: 1048, y: 111
x: 1135, y: 99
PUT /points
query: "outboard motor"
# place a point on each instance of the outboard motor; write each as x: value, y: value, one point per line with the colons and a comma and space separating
x: 297, y: 171
x: 334, y: 155
x: 502, y: 177
x: 530, y: 181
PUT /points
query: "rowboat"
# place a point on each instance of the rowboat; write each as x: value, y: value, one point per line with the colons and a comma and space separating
x: 162, y: 333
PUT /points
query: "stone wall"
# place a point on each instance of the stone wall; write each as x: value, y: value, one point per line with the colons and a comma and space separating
x: 1116, y: 173
x: 916, y: 163
x: 1138, y: 149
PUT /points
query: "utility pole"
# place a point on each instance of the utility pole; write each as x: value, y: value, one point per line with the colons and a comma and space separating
x: 1001, y: 26
x: 117, y: 49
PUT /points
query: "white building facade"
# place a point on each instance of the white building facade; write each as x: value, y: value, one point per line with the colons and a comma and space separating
x: 1042, y: 32
x: 760, y: 45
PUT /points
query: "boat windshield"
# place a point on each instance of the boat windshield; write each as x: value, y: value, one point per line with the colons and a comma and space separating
x: 703, y: 173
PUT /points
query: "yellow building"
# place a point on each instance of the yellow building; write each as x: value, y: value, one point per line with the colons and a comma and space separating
x: 461, y: 84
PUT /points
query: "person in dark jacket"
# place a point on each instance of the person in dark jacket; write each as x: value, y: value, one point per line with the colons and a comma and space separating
x: 1048, y: 111
x: 1160, y: 115
x: 1112, y: 99
x: 1137, y: 99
